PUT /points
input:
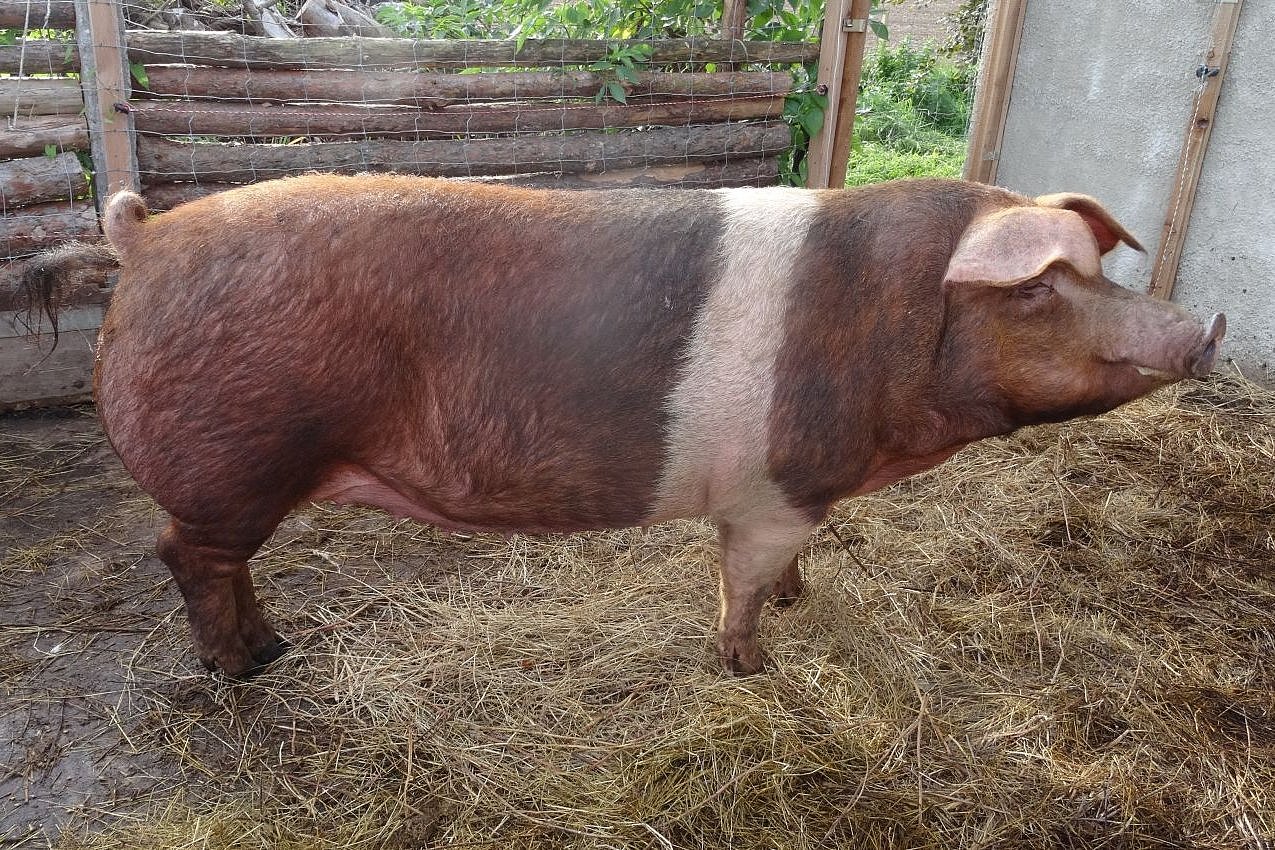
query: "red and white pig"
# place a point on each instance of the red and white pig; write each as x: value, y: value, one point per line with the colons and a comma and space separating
x: 494, y: 358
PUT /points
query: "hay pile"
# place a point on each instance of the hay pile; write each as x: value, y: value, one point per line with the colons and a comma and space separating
x: 1065, y: 638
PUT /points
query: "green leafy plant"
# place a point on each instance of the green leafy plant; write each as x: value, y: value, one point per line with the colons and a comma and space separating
x: 620, y: 66
x: 804, y: 111
x: 138, y: 70
x: 965, y: 31
x: 50, y: 150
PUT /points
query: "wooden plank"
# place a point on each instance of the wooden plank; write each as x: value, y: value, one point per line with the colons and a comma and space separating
x: 851, y: 73
x: 30, y: 136
x: 100, y: 33
x: 26, y: 230
x: 26, y: 96
x: 163, y: 161
x: 83, y: 317
x: 37, y: 14
x: 995, y: 86
x: 832, y: 55
x: 34, y: 179
x: 229, y: 50
x: 207, y: 118
x: 1164, y: 272
x: 436, y: 91
x: 39, y: 56
x: 32, y: 375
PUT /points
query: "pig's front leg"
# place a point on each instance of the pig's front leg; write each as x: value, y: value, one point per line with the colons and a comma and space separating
x: 759, y: 554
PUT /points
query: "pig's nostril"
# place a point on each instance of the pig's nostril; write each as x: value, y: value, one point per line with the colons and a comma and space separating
x: 1217, y: 328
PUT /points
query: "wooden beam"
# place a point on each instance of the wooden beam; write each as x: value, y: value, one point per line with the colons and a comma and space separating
x: 734, y: 14
x: 100, y: 33
x: 32, y: 179
x: 27, y: 96
x: 31, y: 136
x: 584, y: 152
x: 851, y: 74
x: 239, y: 120
x: 437, y: 90
x: 845, y: 34
x: 832, y: 52
x: 1212, y: 74
x: 37, y: 14
x: 995, y: 85
x: 26, y: 230
x: 39, y: 56
x: 698, y: 175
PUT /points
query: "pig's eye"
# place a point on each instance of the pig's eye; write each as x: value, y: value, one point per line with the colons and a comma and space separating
x: 1033, y: 289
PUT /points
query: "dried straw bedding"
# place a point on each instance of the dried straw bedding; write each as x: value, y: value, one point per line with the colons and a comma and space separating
x: 1064, y: 638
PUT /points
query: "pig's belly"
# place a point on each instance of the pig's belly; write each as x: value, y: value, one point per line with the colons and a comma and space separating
x: 450, y: 505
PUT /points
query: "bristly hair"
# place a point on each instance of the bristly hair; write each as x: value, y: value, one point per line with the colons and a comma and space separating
x: 51, y: 275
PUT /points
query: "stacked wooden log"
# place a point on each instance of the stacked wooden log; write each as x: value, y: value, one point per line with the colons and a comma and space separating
x: 219, y: 109
x: 44, y: 201
x: 44, y: 193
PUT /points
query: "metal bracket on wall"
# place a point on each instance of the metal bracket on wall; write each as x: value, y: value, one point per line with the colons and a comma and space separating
x: 854, y: 25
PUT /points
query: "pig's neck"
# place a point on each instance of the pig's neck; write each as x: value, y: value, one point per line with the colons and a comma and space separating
x: 936, y: 421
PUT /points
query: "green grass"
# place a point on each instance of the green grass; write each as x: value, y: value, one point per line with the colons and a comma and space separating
x: 912, y: 116
x: 875, y: 162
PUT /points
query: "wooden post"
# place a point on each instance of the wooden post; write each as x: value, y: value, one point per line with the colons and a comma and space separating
x: 1191, y: 161
x: 105, y: 80
x: 995, y: 84
x: 845, y: 35
x: 734, y: 12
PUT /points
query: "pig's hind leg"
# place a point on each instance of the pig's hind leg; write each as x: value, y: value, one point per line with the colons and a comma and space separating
x: 227, y: 626
x: 759, y: 558
x: 789, y: 587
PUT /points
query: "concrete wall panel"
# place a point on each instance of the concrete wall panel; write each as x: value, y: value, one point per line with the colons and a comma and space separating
x: 1101, y: 99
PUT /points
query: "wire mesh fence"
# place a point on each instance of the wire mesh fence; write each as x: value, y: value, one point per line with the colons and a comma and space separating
x: 510, y: 91
x: 221, y: 98
x: 212, y: 109
x: 215, y: 108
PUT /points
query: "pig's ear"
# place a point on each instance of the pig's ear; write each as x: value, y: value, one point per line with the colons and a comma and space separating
x: 1106, y: 229
x: 1012, y: 245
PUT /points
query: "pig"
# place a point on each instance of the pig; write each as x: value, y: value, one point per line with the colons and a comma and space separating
x: 492, y: 358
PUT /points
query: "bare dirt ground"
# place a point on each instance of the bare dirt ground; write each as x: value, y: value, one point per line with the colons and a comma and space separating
x: 920, y: 20
x: 91, y: 635
x: 71, y: 624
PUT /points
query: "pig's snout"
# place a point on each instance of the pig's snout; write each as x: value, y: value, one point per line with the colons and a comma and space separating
x: 1201, y: 363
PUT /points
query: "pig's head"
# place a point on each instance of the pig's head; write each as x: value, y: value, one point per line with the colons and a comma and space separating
x: 1040, y: 331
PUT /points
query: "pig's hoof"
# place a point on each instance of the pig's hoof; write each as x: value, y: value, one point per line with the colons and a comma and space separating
x: 786, y: 593
x: 236, y: 664
x: 741, y: 659
x: 271, y: 652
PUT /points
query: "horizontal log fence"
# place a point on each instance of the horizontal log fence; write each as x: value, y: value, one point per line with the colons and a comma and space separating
x: 208, y: 111
x: 37, y: 14
x: 229, y: 120
x: 227, y: 50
